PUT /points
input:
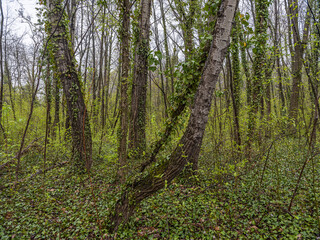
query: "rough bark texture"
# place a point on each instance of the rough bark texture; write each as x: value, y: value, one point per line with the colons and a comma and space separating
x: 259, y: 68
x: 235, y: 82
x: 297, y: 58
x: 277, y: 53
x: 125, y: 64
x: 65, y: 70
x: 189, y: 145
x: 57, y: 106
x: 137, y: 134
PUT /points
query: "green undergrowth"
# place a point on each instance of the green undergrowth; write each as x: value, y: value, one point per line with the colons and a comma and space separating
x: 226, y: 200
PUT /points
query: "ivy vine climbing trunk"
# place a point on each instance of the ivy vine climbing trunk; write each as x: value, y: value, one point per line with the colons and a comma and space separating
x: 125, y: 65
x: 259, y: 67
x: 137, y: 135
x: 64, y: 64
x: 297, y: 56
x: 189, y: 145
x: 236, y: 80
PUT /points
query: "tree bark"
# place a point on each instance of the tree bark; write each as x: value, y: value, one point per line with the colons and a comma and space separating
x: 259, y: 68
x: 235, y: 82
x: 65, y: 67
x: 189, y: 145
x: 125, y: 65
x: 137, y: 135
x: 297, y: 59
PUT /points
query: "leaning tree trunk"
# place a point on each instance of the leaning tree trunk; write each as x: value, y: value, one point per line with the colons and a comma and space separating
x: 189, y: 145
x: 65, y: 69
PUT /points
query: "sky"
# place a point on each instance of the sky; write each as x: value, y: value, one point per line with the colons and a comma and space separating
x: 16, y: 23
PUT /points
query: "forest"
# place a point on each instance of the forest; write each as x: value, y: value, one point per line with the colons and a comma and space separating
x: 160, y: 119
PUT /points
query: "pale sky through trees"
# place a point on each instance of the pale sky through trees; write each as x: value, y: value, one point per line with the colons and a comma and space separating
x: 17, y: 12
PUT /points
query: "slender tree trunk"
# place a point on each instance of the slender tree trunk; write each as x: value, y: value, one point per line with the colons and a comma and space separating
x: 56, y: 106
x: 168, y: 67
x: 94, y: 69
x: 101, y: 77
x: 137, y: 135
x: 245, y: 66
x: 259, y: 67
x: 125, y: 65
x: 235, y: 82
x: 107, y: 73
x: 297, y: 59
x: 8, y: 74
x: 277, y: 53
x: 162, y: 75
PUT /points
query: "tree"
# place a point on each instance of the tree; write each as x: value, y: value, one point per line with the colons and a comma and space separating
x: 125, y: 65
x: 297, y: 51
x: 189, y: 145
x: 259, y: 65
x: 137, y: 133
x: 65, y: 69
x: 236, y: 80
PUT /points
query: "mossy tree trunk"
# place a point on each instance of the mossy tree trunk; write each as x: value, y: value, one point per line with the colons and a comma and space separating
x: 236, y: 80
x: 64, y: 64
x: 297, y: 58
x: 259, y: 66
x: 137, y: 133
x: 125, y: 65
x: 189, y: 145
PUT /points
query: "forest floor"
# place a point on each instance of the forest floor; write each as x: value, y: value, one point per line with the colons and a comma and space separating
x: 247, y: 200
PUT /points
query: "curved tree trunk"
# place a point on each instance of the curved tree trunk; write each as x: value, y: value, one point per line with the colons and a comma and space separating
x: 188, y: 147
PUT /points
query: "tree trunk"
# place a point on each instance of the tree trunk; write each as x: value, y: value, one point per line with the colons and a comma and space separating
x: 277, y: 53
x: 188, y: 147
x: 56, y: 106
x: 235, y: 81
x: 137, y: 135
x: 65, y: 67
x: 125, y: 65
x: 259, y: 67
x: 168, y: 67
x: 297, y: 59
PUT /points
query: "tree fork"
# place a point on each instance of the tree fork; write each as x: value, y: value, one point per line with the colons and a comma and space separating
x: 189, y: 145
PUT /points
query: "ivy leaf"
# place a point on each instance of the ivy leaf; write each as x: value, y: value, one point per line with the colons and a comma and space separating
x: 152, y: 68
x: 158, y: 54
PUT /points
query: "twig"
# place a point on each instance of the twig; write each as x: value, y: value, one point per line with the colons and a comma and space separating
x: 299, y: 179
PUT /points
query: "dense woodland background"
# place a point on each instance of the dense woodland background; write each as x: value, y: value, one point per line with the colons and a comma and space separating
x: 136, y: 120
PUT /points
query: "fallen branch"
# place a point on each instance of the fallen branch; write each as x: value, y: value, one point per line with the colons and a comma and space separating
x: 33, y: 144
